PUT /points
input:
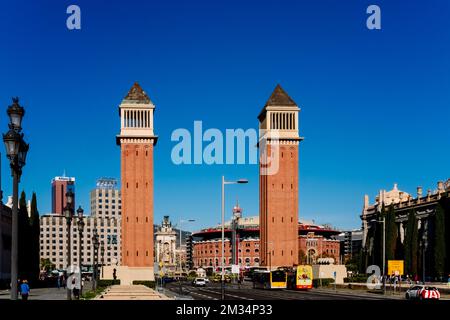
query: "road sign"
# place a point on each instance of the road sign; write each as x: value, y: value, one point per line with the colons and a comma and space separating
x: 395, y: 267
x: 235, y: 268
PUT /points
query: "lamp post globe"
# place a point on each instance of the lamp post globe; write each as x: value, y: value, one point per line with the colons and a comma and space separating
x: 12, y: 144
x: 80, y: 212
x: 16, y: 113
x: 80, y: 224
x: 67, y: 213
x: 23, y: 151
x: 69, y: 197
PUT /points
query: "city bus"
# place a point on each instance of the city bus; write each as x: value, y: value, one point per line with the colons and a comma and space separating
x: 264, y: 279
x: 249, y: 271
x: 304, y: 277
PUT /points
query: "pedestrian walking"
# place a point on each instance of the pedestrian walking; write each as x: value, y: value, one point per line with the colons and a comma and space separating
x: 24, y: 290
x: 75, y: 290
x: 58, y: 282
x: 19, y: 283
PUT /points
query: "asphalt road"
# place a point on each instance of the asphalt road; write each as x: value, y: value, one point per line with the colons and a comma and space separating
x: 245, y: 292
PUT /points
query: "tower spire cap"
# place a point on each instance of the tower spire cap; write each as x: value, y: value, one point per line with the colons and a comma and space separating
x: 279, y: 97
x: 137, y: 95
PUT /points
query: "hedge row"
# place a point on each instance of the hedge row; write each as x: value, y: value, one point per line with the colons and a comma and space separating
x: 325, y: 282
x: 361, y: 278
x: 107, y: 283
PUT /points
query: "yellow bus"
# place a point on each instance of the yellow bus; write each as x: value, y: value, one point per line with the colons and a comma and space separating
x: 304, y: 277
x: 264, y: 279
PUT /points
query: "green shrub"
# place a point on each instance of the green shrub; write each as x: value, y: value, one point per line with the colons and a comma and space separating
x: 89, y: 295
x: 325, y: 282
x: 107, y: 283
x: 150, y: 284
x: 360, y: 278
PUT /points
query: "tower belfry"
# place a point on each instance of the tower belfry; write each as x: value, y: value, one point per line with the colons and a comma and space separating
x: 136, y: 141
x: 278, y: 180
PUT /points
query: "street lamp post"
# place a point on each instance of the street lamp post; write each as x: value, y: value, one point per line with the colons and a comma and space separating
x: 179, y: 250
x: 383, y: 221
x: 16, y: 152
x: 80, y: 225
x: 95, y: 243
x: 68, y: 214
x: 102, y: 250
x: 240, y: 181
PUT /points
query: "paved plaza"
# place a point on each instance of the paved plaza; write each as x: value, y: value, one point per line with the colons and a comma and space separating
x: 133, y: 292
x: 40, y: 294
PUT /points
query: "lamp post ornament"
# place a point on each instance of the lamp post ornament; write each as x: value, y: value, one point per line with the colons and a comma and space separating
x: 16, y: 152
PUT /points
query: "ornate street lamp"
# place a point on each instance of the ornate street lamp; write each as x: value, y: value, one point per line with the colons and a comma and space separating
x: 80, y: 225
x: 16, y: 152
x: 68, y: 214
x: 96, y: 244
x: 240, y: 181
x: 16, y: 113
x: 102, y: 250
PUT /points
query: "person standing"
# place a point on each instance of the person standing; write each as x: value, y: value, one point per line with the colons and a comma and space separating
x: 58, y: 283
x: 75, y: 290
x: 24, y: 290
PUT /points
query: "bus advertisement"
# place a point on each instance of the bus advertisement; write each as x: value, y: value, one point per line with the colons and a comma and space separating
x: 304, y: 277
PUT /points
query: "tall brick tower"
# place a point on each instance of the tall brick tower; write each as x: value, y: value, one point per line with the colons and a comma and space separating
x: 136, y: 140
x: 278, y: 180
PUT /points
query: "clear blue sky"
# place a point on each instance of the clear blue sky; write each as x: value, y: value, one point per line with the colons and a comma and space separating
x: 375, y: 104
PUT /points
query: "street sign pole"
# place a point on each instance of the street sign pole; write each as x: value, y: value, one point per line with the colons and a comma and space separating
x: 335, y: 287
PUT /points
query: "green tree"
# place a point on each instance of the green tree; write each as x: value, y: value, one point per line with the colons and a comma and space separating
x: 439, y: 242
x: 353, y: 263
x: 35, y: 237
x: 411, y: 244
x: 391, y: 234
x: 24, y: 238
x: 47, y: 265
x: 378, y: 239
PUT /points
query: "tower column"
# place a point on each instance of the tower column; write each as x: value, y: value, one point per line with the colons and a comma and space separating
x: 136, y: 143
x: 279, y: 174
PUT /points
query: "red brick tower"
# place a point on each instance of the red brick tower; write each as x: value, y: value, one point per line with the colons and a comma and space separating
x: 278, y: 180
x: 136, y: 142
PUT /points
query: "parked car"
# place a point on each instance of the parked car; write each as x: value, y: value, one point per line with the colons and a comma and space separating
x: 218, y: 278
x: 199, y: 282
x: 423, y: 293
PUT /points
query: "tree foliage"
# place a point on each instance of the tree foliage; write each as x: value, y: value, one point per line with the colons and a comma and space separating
x: 411, y: 244
x: 29, y: 236
x: 391, y: 234
x: 35, y: 237
x: 24, y: 238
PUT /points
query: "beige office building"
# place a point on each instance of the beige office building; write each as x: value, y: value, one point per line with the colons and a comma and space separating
x: 105, y: 217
